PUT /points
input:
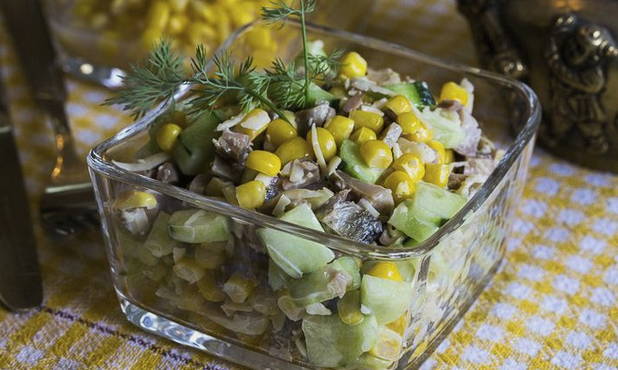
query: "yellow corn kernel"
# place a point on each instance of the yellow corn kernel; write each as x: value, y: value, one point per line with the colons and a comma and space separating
x: 238, y: 288
x: 264, y: 162
x: 388, y: 345
x: 326, y: 141
x: 260, y: 38
x: 437, y: 174
x: 353, y: 65
x: 158, y: 15
x: 398, y: 104
x: 452, y: 91
x: 280, y: 131
x: 401, y: 185
x: 439, y: 149
x: 370, y: 120
x: 363, y: 134
x: 292, y: 149
x: 449, y: 156
x: 208, y: 288
x: 341, y: 127
x: 410, y: 164
x: 136, y: 199
x: 254, y: 123
x: 167, y: 136
x: 177, y: 24
x: 376, y: 153
x: 251, y: 194
x: 348, y: 308
x: 413, y: 128
x: 400, y: 325
x: 385, y: 270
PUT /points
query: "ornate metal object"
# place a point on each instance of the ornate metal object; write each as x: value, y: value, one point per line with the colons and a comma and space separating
x: 566, y: 52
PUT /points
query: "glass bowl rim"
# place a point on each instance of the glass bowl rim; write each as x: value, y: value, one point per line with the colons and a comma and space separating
x: 97, y: 162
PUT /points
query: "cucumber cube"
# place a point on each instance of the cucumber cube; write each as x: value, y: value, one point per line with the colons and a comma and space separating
x: 386, y: 299
x: 198, y: 226
x: 293, y: 254
x: 355, y: 165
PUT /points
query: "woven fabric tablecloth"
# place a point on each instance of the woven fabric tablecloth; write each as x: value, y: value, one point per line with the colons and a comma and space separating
x: 553, y: 304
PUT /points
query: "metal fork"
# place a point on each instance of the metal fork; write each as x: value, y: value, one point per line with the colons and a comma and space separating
x: 67, y: 204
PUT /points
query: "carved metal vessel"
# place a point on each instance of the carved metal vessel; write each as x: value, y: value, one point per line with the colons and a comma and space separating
x: 566, y: 50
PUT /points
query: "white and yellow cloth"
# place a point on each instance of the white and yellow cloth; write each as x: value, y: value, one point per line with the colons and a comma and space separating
x: 553, y: 304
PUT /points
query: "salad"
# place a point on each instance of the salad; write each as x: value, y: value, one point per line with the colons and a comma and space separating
x: 325, y: 142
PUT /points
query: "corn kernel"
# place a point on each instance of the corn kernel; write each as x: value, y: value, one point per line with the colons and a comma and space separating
x: 264, y: 162
x: 452, y: 91
x: 413, y: 128
x: 208, y: 288
x: 437, y: 174
x: 254, y: 123
x: 136, y: 199
x: 280, y: 131
x: 363, y: 134
x: 326, y: 141
x: 251, y: 194
x: 353, y: 65
x: 376, y: 153
x: 341, y: 127
x: 398, y: 104
x: 400, y: 325
x: 401, y: 185
x: 292, y: 149
x: 410, y: 164
x: 348, y: 308
x: 167, y: 136
x: 439, y: 149
x: 370, y: 120
x: 449, y: 156
x: 238, y: 288
x: 385, y: 270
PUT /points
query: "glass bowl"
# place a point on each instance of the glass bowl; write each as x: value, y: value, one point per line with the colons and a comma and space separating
x: 184, y: 292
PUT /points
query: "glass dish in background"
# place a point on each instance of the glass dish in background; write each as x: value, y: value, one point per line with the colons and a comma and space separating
x: 98, y: 39
x: 445, y: 273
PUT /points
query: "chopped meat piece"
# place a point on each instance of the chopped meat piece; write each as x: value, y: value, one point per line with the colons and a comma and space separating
x: 455, y: 180
x: 234, y: 146
x: 391, y: 134
x: 167, y: 173
x: 353, y: 103
x: 472, y: 134
x: 198, y: 184
x: 224, y: 169
x: 451, y: 105
x: 300, y: 173
x: 379, y: 197
x: 350, y: 220
x: 317, y: 115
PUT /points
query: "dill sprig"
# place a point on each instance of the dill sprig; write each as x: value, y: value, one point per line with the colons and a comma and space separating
x: 157, y: 80
x: 279, y: 11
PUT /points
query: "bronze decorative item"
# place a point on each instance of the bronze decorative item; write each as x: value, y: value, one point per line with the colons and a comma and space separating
x: 567, y: 52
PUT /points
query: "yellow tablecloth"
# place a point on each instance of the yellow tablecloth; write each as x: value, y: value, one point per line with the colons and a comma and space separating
x: 553, y: 303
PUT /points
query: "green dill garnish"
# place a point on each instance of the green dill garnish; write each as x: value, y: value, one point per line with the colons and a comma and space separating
x: 281, y: 86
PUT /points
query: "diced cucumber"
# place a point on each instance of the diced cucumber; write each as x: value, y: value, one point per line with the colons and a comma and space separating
x: 316, y: 94
x: 445, y: 126
x: 319, y: 286
x: 355, y: 165
x: 277, y: 278
x: 198, y: 226
x: 158, y: 241
x: 331, y: 343
x: 369, y: 362
x: 195, y: 149
x: 386, y: 299
x: 293, y: 254
x: 404, y: 220
x: 417, y: 92
x: 431, y: 200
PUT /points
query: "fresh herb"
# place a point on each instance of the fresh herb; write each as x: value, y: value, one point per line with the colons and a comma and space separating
x: 282, y: 86
x: 157, y: 80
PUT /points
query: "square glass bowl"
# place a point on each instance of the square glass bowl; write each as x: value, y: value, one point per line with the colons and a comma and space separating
x: 183, y: 291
